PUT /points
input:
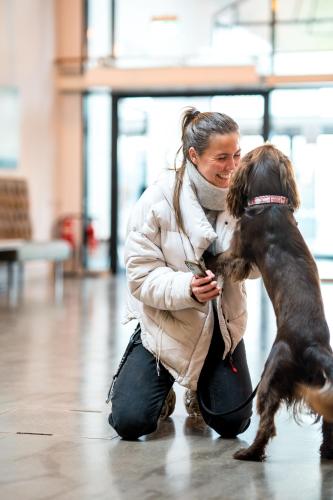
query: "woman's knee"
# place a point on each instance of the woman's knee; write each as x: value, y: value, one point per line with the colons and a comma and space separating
x: 131, y: 424
x: 233, y: 429
x: 131, y: 428
x: 230, y: 426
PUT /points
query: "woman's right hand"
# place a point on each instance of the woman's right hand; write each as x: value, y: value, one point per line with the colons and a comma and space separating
x: 205, y: 289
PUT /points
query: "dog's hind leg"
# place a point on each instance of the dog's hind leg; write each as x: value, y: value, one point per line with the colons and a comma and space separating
x: 326, y: 448
x: 270, y: 395
x: 319, y: 395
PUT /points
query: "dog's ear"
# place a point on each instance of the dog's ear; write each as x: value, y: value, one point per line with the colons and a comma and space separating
x: 237, y: 195
x: 288, y: 182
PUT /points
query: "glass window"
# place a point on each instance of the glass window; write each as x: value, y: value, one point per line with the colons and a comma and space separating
x: 97, y: 180
x: 302, y: 127
x: 197, y: 33
x: 303, y: 63
x: 304, y: 37
x: 248, y: 45
x: 99, y: 26
x: 9, y: 127
x: 294, y: 9
x: 162, y: 33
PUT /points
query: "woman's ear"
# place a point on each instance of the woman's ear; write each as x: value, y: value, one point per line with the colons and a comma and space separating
x: 193, y: 155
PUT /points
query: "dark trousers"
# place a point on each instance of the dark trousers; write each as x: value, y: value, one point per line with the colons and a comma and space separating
x: 139, y: 392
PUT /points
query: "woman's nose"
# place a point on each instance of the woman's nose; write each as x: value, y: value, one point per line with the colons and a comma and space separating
x: 231, y: 163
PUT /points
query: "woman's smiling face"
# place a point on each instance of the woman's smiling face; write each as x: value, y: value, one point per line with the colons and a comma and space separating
x: 219, y: 160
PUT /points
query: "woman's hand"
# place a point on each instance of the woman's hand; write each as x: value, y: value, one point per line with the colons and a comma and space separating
x: 204, y: 289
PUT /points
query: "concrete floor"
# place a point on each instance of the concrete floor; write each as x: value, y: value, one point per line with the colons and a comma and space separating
x: 56, y: 363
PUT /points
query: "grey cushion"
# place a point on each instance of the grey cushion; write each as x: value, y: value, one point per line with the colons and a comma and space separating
x: 48, y: 250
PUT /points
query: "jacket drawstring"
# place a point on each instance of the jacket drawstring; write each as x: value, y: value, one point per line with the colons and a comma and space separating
x: 158, y: 350
x: 159, y: 342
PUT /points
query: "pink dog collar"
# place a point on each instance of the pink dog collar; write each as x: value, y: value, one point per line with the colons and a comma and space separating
x: 268, y: 198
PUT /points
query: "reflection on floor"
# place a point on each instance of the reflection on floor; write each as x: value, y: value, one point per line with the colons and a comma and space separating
x: 56, y: 362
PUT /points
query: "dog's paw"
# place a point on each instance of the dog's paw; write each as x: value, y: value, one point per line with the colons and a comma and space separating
x: 250, y: 455
x: 215, y: 263
x: 238, y: 269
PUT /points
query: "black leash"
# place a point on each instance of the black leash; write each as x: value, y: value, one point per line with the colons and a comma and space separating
x: 134, y: 340
x: 229, y: 412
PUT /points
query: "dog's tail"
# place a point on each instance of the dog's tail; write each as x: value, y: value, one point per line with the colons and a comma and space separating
x: 320, y: 399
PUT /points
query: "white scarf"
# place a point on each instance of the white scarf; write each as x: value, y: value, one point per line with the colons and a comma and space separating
x: 210, y: 197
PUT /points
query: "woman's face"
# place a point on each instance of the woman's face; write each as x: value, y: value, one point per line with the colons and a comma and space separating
x: 219, y: 160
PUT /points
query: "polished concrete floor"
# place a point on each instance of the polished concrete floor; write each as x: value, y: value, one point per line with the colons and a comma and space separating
x: 56, y: 363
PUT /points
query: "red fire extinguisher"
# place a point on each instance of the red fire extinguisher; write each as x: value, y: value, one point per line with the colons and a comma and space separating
x: 67, y: 231
x: 91, y: 236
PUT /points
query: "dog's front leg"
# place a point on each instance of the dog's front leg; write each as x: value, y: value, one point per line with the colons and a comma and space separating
x: 229, y: 265
x: 232, y: 263
x: 326, y: 448
x: 238, y: 269
x: 219, y: 264
x: 237, y: 266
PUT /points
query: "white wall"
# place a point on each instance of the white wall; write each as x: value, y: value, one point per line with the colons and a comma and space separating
x: 50, y: 155
x: 26, y: 62
x: 68, y: 174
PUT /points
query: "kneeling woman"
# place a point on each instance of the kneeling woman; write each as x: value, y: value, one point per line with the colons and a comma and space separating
x: 190, y: 328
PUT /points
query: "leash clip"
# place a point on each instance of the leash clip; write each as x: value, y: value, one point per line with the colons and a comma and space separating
x: 232, y: 366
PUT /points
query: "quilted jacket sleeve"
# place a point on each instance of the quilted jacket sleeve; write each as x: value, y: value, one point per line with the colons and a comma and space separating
x: 150, y: 280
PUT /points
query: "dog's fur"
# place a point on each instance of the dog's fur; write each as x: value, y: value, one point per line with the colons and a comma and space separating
x: 300, y: 365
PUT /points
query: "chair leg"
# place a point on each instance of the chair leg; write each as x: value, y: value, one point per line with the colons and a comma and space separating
x: 58, y: 281
x: 14, y: 273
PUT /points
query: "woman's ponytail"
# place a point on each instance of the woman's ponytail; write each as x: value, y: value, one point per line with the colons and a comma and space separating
x: 188, y: 116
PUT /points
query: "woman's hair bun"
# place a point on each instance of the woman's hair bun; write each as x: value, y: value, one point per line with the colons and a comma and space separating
x: 190, y: 113
x: 188, y: 116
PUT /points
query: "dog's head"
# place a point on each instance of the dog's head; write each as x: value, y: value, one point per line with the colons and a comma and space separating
x: 264, y: 170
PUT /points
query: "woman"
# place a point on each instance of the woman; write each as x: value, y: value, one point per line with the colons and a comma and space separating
x: 190, y: 328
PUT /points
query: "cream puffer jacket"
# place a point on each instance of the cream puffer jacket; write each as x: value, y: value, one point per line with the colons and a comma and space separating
x: 176, y: 328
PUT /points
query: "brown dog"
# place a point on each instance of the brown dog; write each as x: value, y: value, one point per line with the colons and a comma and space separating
x: 299, y: 368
